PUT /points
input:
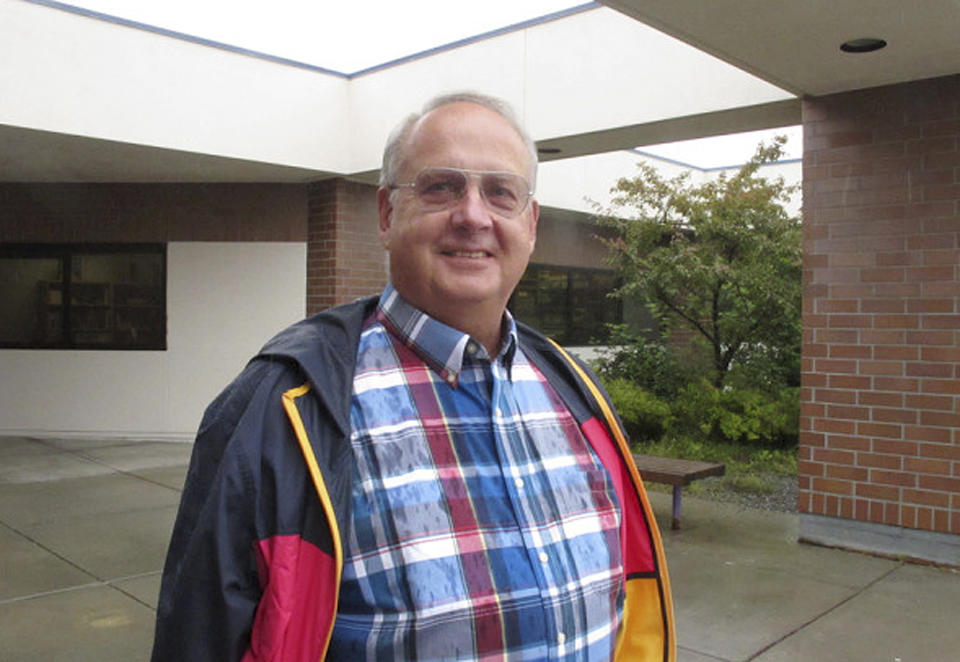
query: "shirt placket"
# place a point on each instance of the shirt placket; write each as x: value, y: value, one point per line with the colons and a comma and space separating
x: 512, y: 444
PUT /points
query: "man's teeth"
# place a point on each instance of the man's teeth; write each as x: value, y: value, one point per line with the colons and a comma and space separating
x: 467, y: 253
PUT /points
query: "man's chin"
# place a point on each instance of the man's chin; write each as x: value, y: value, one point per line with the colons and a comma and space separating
x: 465, y: 293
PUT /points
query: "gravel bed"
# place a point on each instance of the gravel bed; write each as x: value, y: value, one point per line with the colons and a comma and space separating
x: 783, y: 497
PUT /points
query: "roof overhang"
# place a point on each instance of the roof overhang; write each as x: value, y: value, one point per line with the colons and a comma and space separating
x: 79, y: 107
x: 796, y: 45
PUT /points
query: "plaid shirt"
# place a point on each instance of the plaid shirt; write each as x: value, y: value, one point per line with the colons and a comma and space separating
x: 484, y: 526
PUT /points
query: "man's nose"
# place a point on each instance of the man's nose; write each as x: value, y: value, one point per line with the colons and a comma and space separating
x: 472, y: 208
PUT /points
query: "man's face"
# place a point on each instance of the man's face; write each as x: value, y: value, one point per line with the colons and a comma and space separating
x: 465, y: 259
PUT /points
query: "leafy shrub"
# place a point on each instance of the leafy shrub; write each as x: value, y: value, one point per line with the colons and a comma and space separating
x: 650, y: 364
x: 737, y: 414
x: 767, y: 367
x: 644, y: 415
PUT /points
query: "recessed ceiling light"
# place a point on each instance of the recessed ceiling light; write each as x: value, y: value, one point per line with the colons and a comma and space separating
x: 862, y: 45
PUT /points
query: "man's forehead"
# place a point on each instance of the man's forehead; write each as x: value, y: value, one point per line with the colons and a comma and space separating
x: 453, y: 116
x: 462, y: 121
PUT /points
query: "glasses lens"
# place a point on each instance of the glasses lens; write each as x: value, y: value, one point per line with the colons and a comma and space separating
x: 439, y: 187
x: 504, y: 192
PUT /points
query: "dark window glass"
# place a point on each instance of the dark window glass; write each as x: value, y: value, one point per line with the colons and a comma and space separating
x: 570, y: 305
x: 83, y: 297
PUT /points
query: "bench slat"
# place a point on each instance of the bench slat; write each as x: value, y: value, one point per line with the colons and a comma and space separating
x: 675, y: 471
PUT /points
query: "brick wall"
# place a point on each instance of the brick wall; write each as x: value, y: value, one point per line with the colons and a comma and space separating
x: 345, y: 259
x: 85, y: 213
x: 880, y: 420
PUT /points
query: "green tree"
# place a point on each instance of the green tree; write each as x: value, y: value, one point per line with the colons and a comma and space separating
x: 721, y: 258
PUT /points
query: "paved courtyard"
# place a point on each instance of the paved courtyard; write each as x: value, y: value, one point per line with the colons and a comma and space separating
x: 84, y: 526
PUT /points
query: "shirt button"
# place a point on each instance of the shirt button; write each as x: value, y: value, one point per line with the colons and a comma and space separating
x: 471, y: 348
x: 543, y: 557
x: 561, y: 637
x: 519, y: 483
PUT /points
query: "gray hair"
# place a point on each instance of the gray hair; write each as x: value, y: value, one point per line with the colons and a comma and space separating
x: 393, y: 153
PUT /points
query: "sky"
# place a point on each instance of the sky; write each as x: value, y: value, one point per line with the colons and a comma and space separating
x: 343, y: 35
x: 730, y: 150
x: 351, y: 35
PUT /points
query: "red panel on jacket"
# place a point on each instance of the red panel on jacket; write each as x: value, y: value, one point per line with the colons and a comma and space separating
x: 295, y: 615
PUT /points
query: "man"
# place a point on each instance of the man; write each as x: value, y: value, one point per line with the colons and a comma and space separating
x: 415, y: 476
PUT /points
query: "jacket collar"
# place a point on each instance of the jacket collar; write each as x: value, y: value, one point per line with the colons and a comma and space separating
x: 324, y: 347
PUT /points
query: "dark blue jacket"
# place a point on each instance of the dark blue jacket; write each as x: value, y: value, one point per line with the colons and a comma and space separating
x: 255, y: 559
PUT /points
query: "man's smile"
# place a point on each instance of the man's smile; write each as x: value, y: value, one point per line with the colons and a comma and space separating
x: 468, y: 254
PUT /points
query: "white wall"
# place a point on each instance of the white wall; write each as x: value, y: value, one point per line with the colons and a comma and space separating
x: 224, y: 301
x: 77, y: 75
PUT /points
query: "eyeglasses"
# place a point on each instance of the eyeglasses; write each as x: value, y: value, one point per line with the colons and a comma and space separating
x: 505, y: 193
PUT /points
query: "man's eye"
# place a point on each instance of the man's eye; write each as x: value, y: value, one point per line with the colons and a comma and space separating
x: 440, y: 187
x: 434, y: 187
x: 501, y: 191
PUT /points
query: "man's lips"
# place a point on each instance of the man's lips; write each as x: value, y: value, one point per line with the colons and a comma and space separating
x: 473, y: 254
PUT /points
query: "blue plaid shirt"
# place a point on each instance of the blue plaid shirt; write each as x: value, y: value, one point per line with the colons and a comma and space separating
x: 484, y: 526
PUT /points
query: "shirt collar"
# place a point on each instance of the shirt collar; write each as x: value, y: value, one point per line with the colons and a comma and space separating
x: 442, y: 347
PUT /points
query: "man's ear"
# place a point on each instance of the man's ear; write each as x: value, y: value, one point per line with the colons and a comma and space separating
x: 384, y: 214
x: 534, y: 219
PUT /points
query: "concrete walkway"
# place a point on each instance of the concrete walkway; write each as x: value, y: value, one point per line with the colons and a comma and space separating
x: 84, y: 527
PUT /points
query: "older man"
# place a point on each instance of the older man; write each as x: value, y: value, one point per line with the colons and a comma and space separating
x: 416, y: 476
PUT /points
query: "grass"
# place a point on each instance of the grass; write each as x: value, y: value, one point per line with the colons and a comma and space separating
x: 751, y: 468
x: 751, y: 484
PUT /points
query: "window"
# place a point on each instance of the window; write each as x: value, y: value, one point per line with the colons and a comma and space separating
x: 570, y: 305
x: 83, y: 297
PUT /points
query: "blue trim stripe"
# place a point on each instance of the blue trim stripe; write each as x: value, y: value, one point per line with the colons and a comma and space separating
x: 683, y: 164
x: 202, y: 41
x: 89, y: 13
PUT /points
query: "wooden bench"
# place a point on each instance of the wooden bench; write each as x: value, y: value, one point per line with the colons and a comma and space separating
x: 676, y: 472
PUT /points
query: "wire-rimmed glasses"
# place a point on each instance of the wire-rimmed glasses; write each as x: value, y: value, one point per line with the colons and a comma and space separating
x: 506, y: 193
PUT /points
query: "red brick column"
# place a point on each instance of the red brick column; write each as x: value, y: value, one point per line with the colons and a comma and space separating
x: 344, y: 257
x: 880, y: 420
